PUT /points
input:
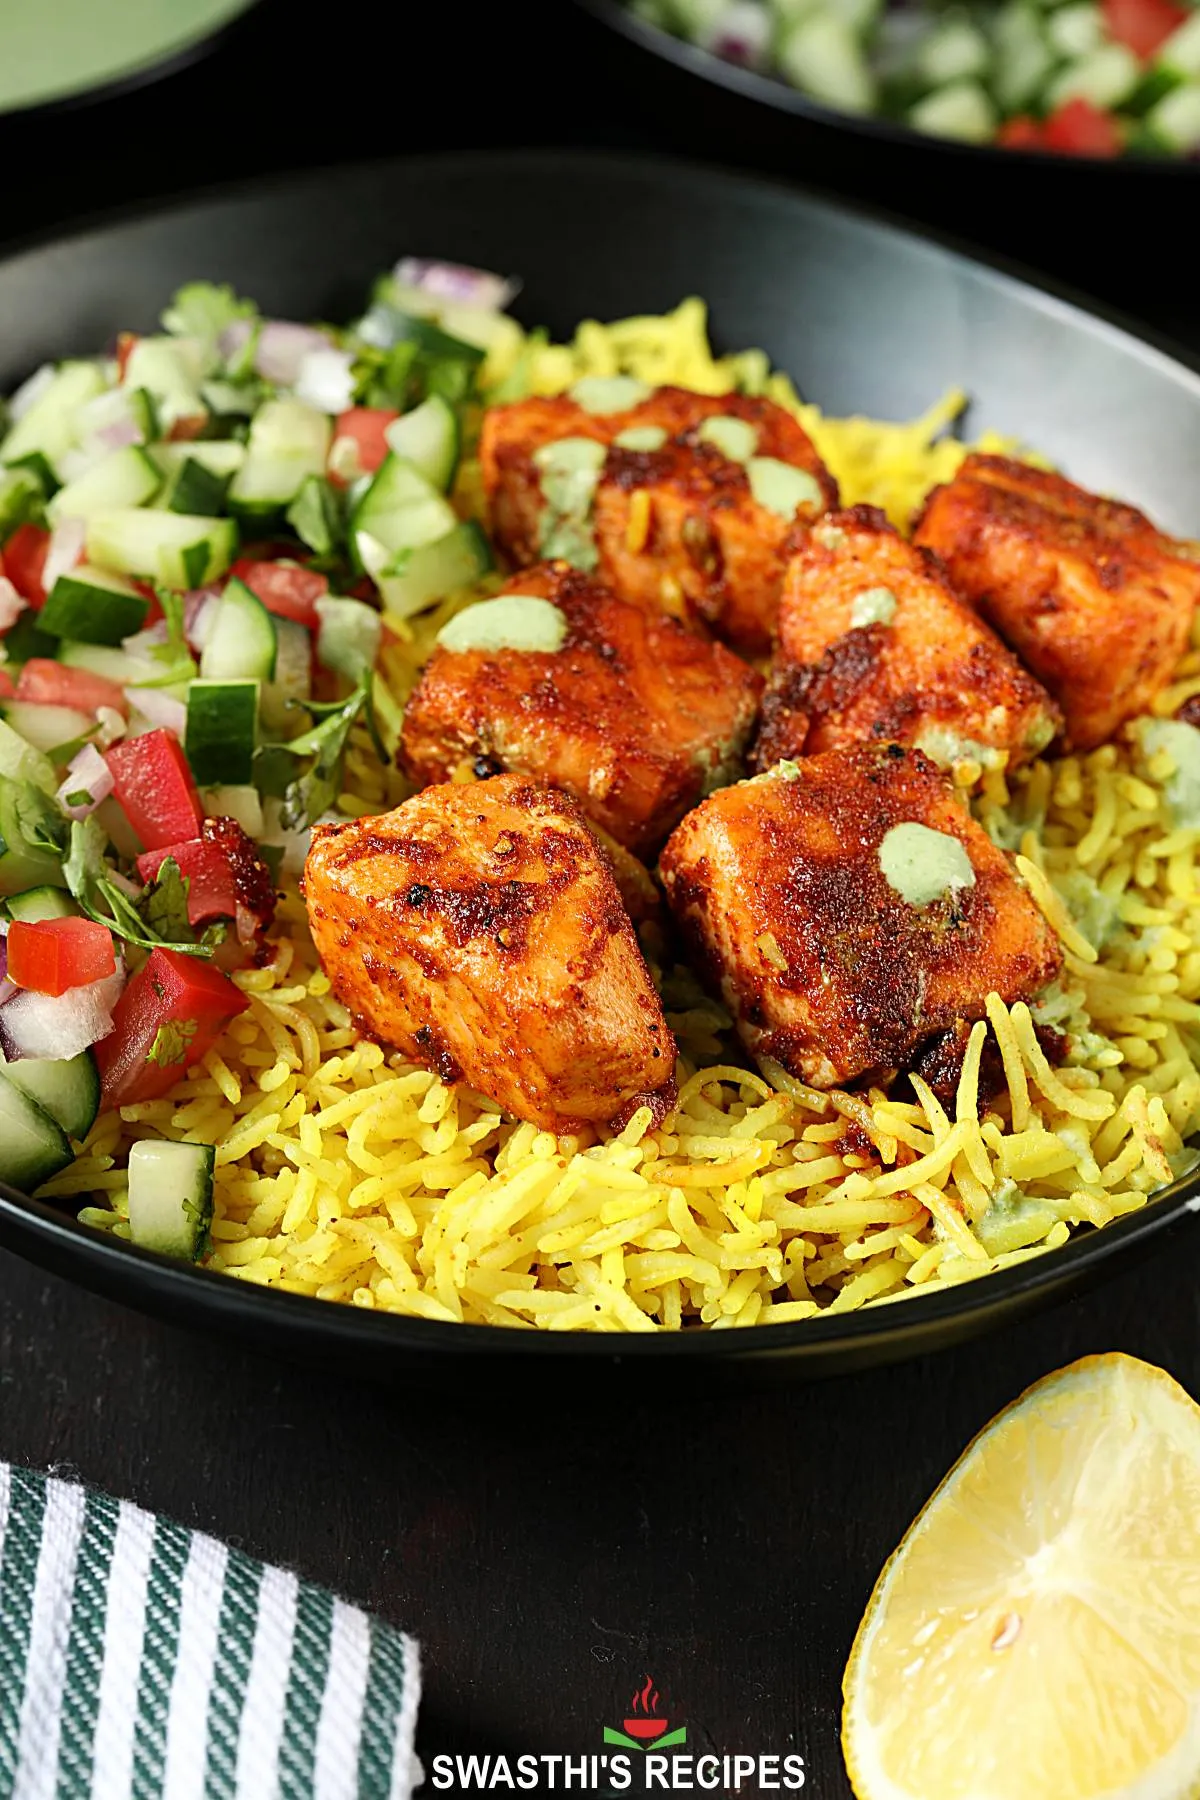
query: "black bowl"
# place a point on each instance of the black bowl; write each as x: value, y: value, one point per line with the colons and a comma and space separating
x: 868, y: 318
x: 1056, y: 211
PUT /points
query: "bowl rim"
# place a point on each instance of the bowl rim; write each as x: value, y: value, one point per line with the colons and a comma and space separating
x: 774, y: 93
x: 57, y: 1240
x: 132, y: 79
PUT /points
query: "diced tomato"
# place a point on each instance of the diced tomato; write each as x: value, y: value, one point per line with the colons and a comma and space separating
x: 7, y: 690
x: 1022, y: 133
x: 126, y: 341
x: 49, y: 683
x: 52, y: 955
x: 364, y: 426
x: 285, y: 589
x: 212, y: 892
x: 1144, y: 25
x: 167, y: 1018
x: 1077, y: 128
x: 25, y: 562
x: 154, y: 788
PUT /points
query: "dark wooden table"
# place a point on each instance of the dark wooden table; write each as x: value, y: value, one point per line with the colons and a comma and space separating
x: 548, y: 1552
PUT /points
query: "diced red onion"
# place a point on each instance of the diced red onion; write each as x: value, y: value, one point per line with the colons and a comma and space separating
x: 7, y: 988
x: 741, y: 34
x: 64, y: 551
x: 59, y: 1025
x: 160, y: 708
x: 455, y: 281
x: 31, y: 391
x: 325, y: 380
x: 119, y: 434
x: 130, y: 888
x: 11, y: 604
x: 88, y: 773
x: 248, y: 924
x: 112, y: 726
x: 235, y: 337
x: 199, y: 615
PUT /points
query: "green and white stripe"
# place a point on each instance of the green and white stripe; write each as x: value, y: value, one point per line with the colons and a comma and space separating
x: 142, y: 1661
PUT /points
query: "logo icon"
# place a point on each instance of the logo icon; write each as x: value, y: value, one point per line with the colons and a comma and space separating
x: 645, y: 1728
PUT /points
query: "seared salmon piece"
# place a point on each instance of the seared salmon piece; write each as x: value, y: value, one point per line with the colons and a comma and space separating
x: 846, y: 907
x: 478, y: 929
x: 521, y: 486
x: 1088, y: 593
x: 874, y: 644
x: 688, y: 511
x: 635, y: 716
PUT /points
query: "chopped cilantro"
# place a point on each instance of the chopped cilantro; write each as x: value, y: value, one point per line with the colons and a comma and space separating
x: 171, y: 1042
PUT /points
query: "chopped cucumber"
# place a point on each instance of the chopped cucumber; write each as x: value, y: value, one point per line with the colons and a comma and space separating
x: 177, y: 549
x: 69, y: 1090
x: 119, y: 665
x: 348, y: 636
x: 416, y: 577
x: 49, y: 427
x: 123, y: 478
x: 166, y: 368
x: 171, y: 1197
x: 93, y: 607
x: 39, y: 903
x: 289, y: 441
x: 243, y: 642
x: 237, y: 801
x: 822, y: 56
x: 1180, y: 55
x: 195, y: 488
x: 1175, y: 121
x: 1023, y: 58
x: 47, y: 728
x: 223, y: 456
x: 1076, y: 30
x: 954, y: 50
x: 962, y: 111
x: 398, y: 509
x: 1106, y: 77
x: 291, y: 680
x: 222, y: 731
x: 428, y: 438
x: 19, y: 761
x: 33, y: 1146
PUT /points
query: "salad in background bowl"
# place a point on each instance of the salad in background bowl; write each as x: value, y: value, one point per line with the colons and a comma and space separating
x: 1091, y: 78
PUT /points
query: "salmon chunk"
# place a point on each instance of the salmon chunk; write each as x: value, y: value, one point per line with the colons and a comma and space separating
x: 846, y: 907
x: 874, y: 644
x: 1088, y: 593
x: 479, y: 930
x: 688, y: 510
x: 635, y: 716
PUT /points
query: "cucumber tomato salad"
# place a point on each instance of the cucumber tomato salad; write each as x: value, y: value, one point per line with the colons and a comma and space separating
x: 200, y: 534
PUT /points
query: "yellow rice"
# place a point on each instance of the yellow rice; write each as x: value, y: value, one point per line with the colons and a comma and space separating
x: 347, y: 1173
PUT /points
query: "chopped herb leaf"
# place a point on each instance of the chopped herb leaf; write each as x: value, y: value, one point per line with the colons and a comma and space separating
x: 164, y: 905
x: 203, y: 309
x: 79, y: 797
x: 171, y: 1042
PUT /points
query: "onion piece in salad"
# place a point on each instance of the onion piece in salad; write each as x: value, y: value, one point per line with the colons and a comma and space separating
x: 59, y: 1026
x: 455, y: 281
x: 87, y: 774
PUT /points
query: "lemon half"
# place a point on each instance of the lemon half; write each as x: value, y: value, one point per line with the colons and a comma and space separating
x: 1037, y: 1634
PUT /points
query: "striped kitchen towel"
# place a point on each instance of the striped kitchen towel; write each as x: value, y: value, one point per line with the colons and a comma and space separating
x: 139, y: 1660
